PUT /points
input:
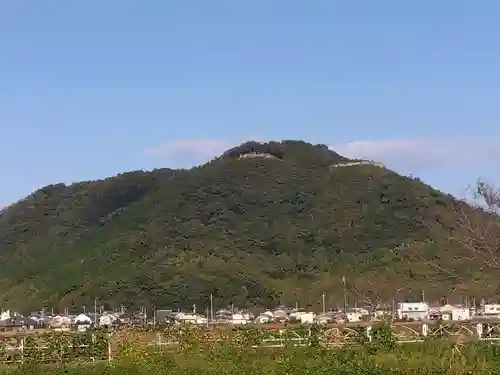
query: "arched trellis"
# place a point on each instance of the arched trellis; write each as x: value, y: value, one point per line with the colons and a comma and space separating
x: 452, y: 330
x: 332, y: 336
x: 405, y: 333
x: 282, y: 337
x: 491, y: 330
x: 337, y: 336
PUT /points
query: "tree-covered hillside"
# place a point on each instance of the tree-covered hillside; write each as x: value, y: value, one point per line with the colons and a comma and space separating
x: 250, y: 230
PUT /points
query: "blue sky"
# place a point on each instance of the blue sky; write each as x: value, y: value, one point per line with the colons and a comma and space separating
x: 92, y: 88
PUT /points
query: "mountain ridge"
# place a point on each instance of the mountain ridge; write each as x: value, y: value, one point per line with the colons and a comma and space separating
x: 250, y: 231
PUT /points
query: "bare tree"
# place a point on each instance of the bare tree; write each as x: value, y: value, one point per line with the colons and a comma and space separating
x: 473, y: 234
x: 478, y: 229
x: 368, y: 294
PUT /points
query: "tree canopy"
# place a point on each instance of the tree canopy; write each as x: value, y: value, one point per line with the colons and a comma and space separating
x: 250, y: 231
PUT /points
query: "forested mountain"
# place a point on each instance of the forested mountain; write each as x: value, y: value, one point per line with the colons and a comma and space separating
x: 250, y: 230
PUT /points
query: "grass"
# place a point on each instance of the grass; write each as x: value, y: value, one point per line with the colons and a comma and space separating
x: 381, y: 356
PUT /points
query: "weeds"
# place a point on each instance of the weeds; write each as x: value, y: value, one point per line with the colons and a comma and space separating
x: 375, y: 354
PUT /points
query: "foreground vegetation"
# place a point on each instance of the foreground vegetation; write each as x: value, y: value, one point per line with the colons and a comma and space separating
x: 379, y: 357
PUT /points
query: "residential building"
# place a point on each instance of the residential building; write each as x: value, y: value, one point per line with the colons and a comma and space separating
x: 491, y: 309
x: 6, y: 314
x: 307, y: 318
x: 240, y: 319
x: 356, y: 314
x: 412, y: 311
x: 190, y: 318
x: 460, y: 314
x: 265, y: 317
x: 107, y: 320
x: 18, y: 323
x: 455, y: 313
x: 82, y: 322
x: 59, y: 322
x: 326, y: 318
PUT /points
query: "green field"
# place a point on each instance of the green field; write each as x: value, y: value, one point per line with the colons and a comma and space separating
x: 195, y: 355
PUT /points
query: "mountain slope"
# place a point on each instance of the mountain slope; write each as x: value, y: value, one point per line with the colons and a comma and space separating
x: 278, y: 225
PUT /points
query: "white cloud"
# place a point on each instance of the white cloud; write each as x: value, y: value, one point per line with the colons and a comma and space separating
x: 420, y: 153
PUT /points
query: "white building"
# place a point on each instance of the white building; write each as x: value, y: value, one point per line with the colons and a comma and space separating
x: 107, y: 320
x: 240, y: 319
x: 413, y: 310
x: 6, y: 314
x: 323, y: 319
x: 82, y: 322
x: 307, y: 318
x: 460, y: 313
x: 491, y: 309
x: 190, y: 318
x: 264, y: 318
x: 60, y: 321
x: 356, y: 314
x: 455, y: 313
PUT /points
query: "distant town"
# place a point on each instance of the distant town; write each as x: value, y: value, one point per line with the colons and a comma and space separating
x: 402, y: 312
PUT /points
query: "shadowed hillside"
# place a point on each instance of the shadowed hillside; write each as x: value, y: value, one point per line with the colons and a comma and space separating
x: 250, y: 230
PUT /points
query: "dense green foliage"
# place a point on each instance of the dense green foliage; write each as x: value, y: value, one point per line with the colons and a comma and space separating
x: 366, y: 358
x: 250, y: 231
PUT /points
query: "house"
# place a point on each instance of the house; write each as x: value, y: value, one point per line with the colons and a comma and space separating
x: 59, y: 322
x: 107, y: 320
x: 301, y: 316
x: 460, y: 313
x: 280, y: 315
x: 307, y: 318
x: 412, y: 311
x: 82, y: 322
x: 132, y: 318
x: 356, y: 314
x: 324, y: 318
x: 164, y: 316
x: 190, y: 318
x: 240, y: 319
x: 126, y: 318
x: 491, y: 309
x: 266, y: 317
x: 18, y: 323
x: 435, y: 313
x: 455, y: 313
x: 223, y: 316
x: 6, y: 314
x: 295, y: 315
x: 446, y: 312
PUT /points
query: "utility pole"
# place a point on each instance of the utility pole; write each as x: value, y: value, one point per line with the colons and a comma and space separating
x: 95, y: 311
x: 393, y: 315
x: 423, y: 295
x: 211, y: 308
x: 323, y: 302
x: 345, y: 294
